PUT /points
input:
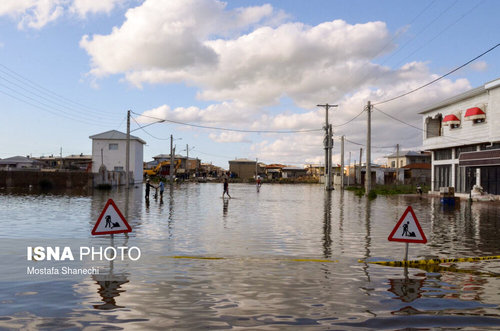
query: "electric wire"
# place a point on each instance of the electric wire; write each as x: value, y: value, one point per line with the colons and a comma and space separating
x: 228, y: 129
x: 142, y: 128
x: 441, y: 32
x: 439, y: 78
x: 422, y: 130
x: 35, y: 86
x: 349, y: 121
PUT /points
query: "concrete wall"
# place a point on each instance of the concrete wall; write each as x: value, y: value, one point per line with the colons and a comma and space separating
x: 61, y: 180
x: 243, y: 169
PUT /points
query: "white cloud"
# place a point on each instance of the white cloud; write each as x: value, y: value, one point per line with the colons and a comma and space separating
x: 36, y: 14
x: 479, y: 66
x: 229, y: 137
x: 85, y: 7
x: 248, y: 58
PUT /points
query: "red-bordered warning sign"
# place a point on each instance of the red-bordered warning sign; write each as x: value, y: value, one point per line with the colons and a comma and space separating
x: 114, y: 222
x: 408, y: 229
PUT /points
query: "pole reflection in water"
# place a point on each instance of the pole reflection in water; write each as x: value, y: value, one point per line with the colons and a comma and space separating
x: 368, y: 237
x: 341, y: 221
x: 170, y: 210
x: 407, y: 289
x: 110, y: 283
x: 327, y: 224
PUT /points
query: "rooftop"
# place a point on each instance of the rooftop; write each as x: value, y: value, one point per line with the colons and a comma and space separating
x: 115, y: 135
x: 409, y: 153
x: 462, y: 96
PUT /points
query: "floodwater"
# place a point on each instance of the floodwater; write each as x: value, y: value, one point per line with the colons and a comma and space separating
x: 287, y: 257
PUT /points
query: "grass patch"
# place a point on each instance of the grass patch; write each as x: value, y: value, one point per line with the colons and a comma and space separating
x: 386, y: 190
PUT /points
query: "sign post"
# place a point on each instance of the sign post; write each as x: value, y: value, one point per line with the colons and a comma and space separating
x: 114, y: 221
x: 408, y: 230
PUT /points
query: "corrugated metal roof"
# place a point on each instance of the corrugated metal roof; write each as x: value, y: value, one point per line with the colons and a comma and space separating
x: 115, y: 135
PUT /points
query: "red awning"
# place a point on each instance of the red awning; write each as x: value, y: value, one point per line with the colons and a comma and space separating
x: 451, y: 119
x: 474, y: 113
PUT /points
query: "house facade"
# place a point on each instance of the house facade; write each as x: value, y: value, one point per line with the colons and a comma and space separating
x: 109, y: 149
x: 404, y: 158
x: 463, y: 137
x: 243, y: 168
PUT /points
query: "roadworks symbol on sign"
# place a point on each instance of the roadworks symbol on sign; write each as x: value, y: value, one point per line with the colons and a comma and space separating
x: 408, y: 229
x: 111, y: 221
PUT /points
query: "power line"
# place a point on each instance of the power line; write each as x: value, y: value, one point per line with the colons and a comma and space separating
x: 439, y: 78
x: 349, y: 121
x: 142, y: 128
x: 33, y: 85
x: 420, y: 129
x: 442, y: 31
x: 228, y: 129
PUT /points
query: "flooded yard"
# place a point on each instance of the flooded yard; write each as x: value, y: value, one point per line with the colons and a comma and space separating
x: 288, y: 256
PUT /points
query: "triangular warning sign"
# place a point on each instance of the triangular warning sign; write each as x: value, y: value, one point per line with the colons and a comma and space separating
x: 111, y: 221
x: 408, y: 229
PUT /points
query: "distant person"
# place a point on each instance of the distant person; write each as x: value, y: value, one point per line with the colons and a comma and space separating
x: 162, y: 188
x: 148, y: 188
x: 259, y: 182
x: 419, y: 189
x: 226, y: 188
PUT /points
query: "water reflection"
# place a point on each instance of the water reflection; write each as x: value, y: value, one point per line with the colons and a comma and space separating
x: 225, y: 205
x: 327, y: 225
x: 256, y: 284
x: 406, y: 289
x: 109, y: 289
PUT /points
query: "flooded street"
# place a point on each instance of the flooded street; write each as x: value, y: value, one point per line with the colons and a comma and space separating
x: 283, y: 258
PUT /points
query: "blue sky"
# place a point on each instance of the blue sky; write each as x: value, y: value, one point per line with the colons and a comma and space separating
x: 71, y: 68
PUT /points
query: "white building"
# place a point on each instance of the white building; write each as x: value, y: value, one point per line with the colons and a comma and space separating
x: 109, y: 149
x: 464, y: 137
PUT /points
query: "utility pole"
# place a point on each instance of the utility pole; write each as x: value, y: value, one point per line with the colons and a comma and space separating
x: 397, y: 164
x: 328, y: 146
x: 330, y: 152
x: 171, y: 159
x: 349, y: 167
x: 187, y: 160
x: 360, y: 158
x: 256, y: 168
x: 342, y: 165
x: 127, y: 153
x: 368, y: 179
x: 60, y: 161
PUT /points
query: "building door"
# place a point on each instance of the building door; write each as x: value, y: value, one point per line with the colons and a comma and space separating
x: 442, y: 175
x: 490, y: 177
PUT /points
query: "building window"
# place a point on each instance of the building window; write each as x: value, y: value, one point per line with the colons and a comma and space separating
x: 393, y: 164
x: 113, y: 147
x: 442, y: 154
x: 433, y: 126
x: 490, y: 146
x: 118, y: 168
x: 463, y: 149
x: 442, y: 176
x: 401, y: 163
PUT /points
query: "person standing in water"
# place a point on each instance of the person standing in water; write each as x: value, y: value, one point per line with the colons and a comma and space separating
x: 226, y: 188
x: 148, y: 188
